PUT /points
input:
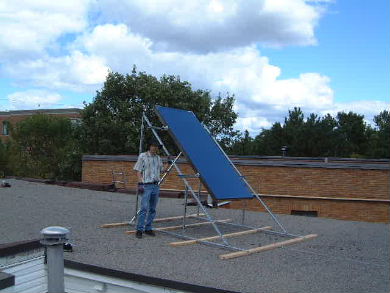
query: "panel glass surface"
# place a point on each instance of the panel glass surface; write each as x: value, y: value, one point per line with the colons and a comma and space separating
x: 208, y: 159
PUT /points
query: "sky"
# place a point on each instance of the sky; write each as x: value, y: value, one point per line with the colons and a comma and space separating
x: 324, y: 56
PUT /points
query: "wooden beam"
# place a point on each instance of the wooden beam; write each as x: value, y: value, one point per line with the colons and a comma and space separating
x: 176, y: 218
x: 122, y: 224
x: 112, y: 225
x: 267, y: 247
x: 181, y: 226
x: 189, y: 242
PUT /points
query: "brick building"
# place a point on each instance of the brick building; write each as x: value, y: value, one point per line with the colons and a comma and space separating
x: 8, y: 118
x: 347, y: 189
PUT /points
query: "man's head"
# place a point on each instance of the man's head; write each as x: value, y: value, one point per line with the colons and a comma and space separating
x: 154, y: 146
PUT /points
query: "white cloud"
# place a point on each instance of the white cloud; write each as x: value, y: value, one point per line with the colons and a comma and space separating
x: 243, y: 71
x: 367, y: 108
x: 32, y: 99
x: 77, y: 71
x: 204, y: 26
x: 212, y: 44
x: 30, y: 27
x: 358, y: 107
x: 253, y: 124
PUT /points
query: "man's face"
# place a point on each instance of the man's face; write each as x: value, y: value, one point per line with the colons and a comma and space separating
x: 153, y: 149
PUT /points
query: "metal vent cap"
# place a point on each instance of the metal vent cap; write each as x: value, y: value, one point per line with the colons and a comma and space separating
x: 54, y: 235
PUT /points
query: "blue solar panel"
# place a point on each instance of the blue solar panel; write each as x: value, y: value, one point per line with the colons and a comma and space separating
x: 216, y: 172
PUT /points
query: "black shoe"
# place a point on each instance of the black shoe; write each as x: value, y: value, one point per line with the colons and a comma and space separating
x: 138, y: 234
x: 150, y: 233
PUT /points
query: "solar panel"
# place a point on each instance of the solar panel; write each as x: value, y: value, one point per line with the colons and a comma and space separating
x: 216, y: 172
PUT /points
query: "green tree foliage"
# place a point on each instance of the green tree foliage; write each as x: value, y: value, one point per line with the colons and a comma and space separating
x: 111, y: 123
x: 3, y: 159
x: 351, y: 134
x: 303, y: 137
x: 243, y: 145
x: 45, y: 146
x: 346, y: 135
x: 379, y: 138
x: 269, y: 141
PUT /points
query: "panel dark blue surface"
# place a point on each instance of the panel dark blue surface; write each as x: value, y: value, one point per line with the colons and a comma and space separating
x: 216, y: 172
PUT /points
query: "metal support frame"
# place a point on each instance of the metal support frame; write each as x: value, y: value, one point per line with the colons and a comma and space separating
x: 141, y: 144
x: 250, y: 187
x: 185, y: 208
x: 186, y: 183
x: 196, y: 196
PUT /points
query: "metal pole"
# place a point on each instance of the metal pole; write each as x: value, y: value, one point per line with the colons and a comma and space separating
x: 270, y: 212
x: 169, y: 169
x: 246, y: 182
x: 243, y: 211
x: 209, y: 243
x: 141, y: 144
x: 199, y: 191
x: 53, y: 238
x: 185, y: 207
x: 251, y: 227
x: 156, y: 135
x: 141, y: 141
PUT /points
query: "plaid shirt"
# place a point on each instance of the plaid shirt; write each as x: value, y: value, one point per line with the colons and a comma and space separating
x: 150, y: 166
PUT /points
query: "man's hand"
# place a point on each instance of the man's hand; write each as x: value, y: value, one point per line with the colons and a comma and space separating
x: 140, y: 187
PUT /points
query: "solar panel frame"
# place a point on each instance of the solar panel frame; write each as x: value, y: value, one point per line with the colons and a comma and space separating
x: 217, y: 196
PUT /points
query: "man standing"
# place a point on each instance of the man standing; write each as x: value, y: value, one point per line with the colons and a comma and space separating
x: 149, y: 167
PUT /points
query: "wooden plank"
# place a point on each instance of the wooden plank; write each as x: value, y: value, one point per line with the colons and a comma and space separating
x: 176, y: 218
x: 180, y: 226
x: 112, y: 225
x: 189, y: 242
x: 267, y: 247
x: 122, y: 224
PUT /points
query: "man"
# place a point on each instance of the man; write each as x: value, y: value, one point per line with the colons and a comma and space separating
x: 149, y: 167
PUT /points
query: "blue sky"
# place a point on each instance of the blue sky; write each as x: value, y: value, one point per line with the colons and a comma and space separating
x: 353, y: 50
x: 323, y: 56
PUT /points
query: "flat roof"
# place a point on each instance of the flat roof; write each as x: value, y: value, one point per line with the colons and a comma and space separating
x: 346, y: 256
x: 46, y: 111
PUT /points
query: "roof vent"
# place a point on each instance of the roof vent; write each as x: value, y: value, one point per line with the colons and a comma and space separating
x: 54, y: 235
x: 53, y: 238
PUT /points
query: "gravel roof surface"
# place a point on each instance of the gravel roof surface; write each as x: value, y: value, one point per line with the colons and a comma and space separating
x: 346, y: 257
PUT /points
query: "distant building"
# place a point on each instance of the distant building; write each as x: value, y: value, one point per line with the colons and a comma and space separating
x: 8, y: 118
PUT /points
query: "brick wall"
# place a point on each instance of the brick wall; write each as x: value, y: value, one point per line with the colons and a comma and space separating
x: 348, y: 193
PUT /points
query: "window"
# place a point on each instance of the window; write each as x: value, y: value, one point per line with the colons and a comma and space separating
x: 304, y: 213
x: 5, y: 128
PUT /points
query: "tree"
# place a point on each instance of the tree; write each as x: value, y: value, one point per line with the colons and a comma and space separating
x: 347, y: 135
x: 294, y: 136
x: 351, y: 134
x: 44, y: 146
x: 318, y: 136
x: 270, y: 141
x: 3, y: 159
x: 243, y: 145
x: 111, y: 123
x: 379, y: 140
